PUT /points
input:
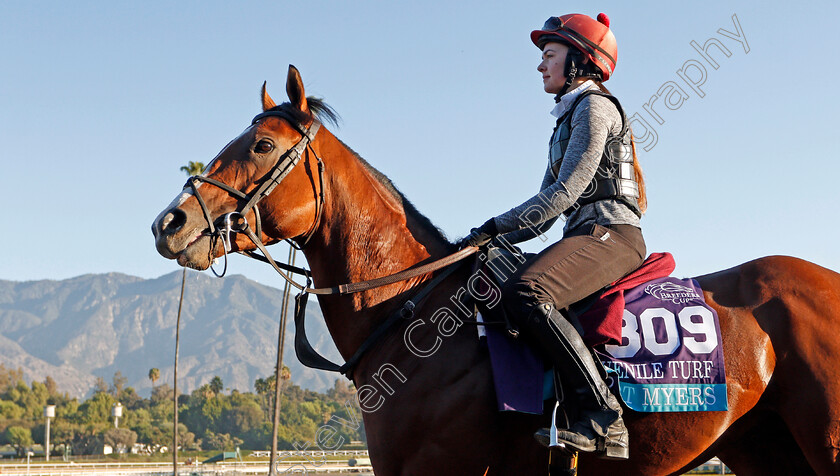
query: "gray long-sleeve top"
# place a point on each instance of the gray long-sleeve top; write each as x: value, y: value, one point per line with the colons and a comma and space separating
x: 593, y: 120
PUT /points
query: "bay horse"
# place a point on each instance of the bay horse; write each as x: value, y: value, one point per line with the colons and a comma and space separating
x: 434, y: 413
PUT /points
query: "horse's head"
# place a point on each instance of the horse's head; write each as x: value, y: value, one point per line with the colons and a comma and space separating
x: 274, y: 155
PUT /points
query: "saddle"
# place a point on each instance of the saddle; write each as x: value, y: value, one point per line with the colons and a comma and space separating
x: 597, y: 317
x: 649, y: 372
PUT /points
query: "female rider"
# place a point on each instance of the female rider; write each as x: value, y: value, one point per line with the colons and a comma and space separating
x: 593, y: 183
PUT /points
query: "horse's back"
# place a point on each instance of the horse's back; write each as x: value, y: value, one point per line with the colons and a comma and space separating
x: 796, y: 303
x: 780, y: 321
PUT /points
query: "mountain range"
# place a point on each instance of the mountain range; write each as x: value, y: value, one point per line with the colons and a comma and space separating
x: 90, y: 326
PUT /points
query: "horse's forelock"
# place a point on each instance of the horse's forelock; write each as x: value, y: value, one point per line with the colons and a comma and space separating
x: 318, y: 109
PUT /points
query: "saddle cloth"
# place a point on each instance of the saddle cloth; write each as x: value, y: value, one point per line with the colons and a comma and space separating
x: 655, y: 334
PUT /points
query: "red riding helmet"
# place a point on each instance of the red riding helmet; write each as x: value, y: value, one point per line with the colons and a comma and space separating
x: 593, y: 38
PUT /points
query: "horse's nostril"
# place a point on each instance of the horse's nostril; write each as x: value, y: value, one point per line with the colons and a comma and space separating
x: 173, y: 221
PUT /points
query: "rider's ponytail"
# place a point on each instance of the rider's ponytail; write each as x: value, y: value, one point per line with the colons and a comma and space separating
x: 640, y: 178
x: 637, y: 169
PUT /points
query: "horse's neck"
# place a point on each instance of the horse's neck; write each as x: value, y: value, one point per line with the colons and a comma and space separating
x: 364, y: 233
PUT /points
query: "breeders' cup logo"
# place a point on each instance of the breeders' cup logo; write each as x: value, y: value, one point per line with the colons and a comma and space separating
x: 673, y: 292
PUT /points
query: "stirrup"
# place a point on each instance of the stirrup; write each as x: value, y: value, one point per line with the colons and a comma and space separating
x: 599, y: 446
x: 548, y: 437
x: 553, y: 442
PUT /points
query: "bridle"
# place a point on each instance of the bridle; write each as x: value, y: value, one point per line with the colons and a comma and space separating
x: 235, y: 222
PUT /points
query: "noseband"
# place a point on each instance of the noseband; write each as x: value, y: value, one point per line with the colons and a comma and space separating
x: 235, y: 222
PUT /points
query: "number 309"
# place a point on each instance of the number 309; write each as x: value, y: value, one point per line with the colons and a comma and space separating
x: 630, y: 330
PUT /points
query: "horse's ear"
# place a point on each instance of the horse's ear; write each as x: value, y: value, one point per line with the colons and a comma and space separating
x: 294, y: 88
x: 267, y: 102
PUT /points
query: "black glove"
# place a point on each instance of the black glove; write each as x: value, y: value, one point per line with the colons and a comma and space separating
x: 480, y: 236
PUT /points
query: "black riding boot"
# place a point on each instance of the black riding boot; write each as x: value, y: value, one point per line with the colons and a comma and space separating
x: 599, y: 426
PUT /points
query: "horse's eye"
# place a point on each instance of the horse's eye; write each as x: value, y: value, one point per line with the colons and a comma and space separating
x: 263, y: 147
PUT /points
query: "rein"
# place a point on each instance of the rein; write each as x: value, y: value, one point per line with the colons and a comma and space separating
x: 235, y: 222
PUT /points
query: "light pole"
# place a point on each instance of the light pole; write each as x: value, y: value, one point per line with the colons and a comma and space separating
x: 49, y: 412
x: 116, y: 412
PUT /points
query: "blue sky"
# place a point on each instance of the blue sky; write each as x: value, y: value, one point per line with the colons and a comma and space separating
x: 102, y: 102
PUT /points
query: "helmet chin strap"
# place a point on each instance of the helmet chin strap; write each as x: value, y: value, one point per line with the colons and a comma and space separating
x: 570, y: 71
x: 574, y: 69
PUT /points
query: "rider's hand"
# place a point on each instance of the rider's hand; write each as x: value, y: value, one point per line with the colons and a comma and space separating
x: 480, y: 236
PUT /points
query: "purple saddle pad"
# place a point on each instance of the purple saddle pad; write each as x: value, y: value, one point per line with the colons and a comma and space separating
x: 670, y: 357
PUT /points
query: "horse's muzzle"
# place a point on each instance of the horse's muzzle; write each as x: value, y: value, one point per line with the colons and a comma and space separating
x: 172, y: 233
x: 170, y: 223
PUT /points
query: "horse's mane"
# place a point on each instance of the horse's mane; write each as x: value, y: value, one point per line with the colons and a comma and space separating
x: 325, y: 113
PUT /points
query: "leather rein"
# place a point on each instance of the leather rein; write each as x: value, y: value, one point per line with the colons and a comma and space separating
x: 235, y: 222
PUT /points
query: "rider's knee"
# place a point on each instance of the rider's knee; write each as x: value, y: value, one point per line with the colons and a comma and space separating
x: 519, y: 297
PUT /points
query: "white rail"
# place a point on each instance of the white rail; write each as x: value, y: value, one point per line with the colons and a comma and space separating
x: 297, y: 465
x: 286, y: 454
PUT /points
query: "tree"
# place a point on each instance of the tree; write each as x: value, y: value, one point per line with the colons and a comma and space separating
x: 154, y: 375
x: 192, y: 168
x: 120, y: 439
x: 243, y: 415
x: 86, y: 441
x: 118, y: 384
x: 20, y: 438
x: 216, y: 385
x: 10, y: 410
x: 130, y: 399
x: 264, y: 385
x: 161, y: 394
x: 96, y: 411
x: 63, y: 432
x: 52, y: 387
x: 265, y: 390
x: 341, y: 392
x: 9, y: 377
x: 220, y: 441
x: 100, y: 386
x: 210, y: 420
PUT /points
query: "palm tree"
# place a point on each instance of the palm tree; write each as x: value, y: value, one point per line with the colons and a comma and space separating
x: 216, y: 385
x: 192, y: 168
x: 154, y: 375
